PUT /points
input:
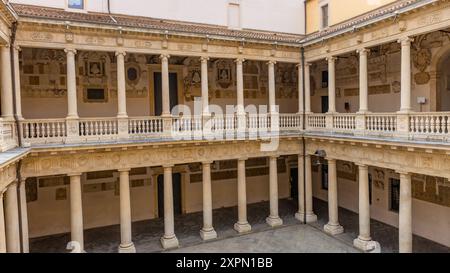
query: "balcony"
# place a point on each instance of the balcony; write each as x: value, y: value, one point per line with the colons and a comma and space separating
x: 428, y: 127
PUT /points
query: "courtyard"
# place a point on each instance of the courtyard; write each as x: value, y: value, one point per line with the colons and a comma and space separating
x: 291, y: 237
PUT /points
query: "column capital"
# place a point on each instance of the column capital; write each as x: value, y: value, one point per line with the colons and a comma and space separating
x: 121, y: 53
x: 5, y: 45
x: 243, y: 159
x: 204, y: 59
x: 23, y: 180
x: 74, y: 174
x: 332, y: 160
x: 70, y: 51
x: 362, y: 166
x: 207, y: 162
x: 363, y: 51
x: 331, y: 59
x: 164, y: 57
x: 124, y: 170
x: 405, y: 41
x: 403, y: 173
x: 239, y: 60
x: 17, y: 48
x: 168, y: 166
x: 274, y: 156
x: 272, y: 62
x: 300, y: 65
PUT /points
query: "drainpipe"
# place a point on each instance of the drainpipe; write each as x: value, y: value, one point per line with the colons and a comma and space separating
x: 302, y: 51
x: 306, y: 16
x: 109, y: 12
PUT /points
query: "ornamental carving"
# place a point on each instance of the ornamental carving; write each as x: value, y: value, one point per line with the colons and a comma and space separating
x: 223, y: 73
x: 192, y: 80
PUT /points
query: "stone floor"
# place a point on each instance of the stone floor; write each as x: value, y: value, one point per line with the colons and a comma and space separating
x: 308, y: 238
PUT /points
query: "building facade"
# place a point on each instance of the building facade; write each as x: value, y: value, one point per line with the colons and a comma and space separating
x: 112, y: 115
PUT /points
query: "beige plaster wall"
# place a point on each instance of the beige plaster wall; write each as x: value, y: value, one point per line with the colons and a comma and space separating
x: 339, y: 11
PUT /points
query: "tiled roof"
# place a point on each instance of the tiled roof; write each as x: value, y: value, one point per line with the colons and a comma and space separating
x: 372, y: 15
x: 151, y: 23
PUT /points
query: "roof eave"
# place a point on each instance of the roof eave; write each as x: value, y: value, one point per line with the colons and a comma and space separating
x: 383, y: 17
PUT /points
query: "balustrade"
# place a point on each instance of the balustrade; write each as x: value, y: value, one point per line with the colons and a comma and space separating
x: 429, y: 126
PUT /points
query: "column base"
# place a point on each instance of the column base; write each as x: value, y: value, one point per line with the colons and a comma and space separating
x: 208, y: 234
x: 367, y: 245
x: 333, y: 229
x: 274, y: 221
x: 127, y: 248
x: 168, y: 243
x: 310, y: 217
x: 242, y: 228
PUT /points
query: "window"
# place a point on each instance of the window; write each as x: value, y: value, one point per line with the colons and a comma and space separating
x: 75, y: 4
x: 95, y: 95
x: 325, y: 79
x: 394, y: 194
x: 324, y: 10
x: 324, y: 177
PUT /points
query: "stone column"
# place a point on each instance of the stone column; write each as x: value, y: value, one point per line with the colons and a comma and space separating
x: 121, y: 85
x: 305, y: 187
x: 165, y: 85
x: 76, y: 212
x: 272, y: 100
x: 6, y: 82
x: 169, y: 240
x: 72, y: 112
x: 17, y: 83
x: 205, y: 90
x: 2, y: 225
x: 12, y: 219
x: 405, y: 92
x: 274, y: 219
x: 242, y: 224
x: 307, y: 89
x: 126, y: 243
x: 331, y: 85
x: 405, y: 214
x: 24, y: 217
x: 240, y: 86
x: 363, y: 81
x: 333, y: 227
x: 207, y: 232
x: 364, y: 241
x: 241, y: 117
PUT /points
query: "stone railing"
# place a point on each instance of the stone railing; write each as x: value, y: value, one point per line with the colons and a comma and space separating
x: 47, y: 131
x: 430, y: 126
x: 344, y: 123
x: 380, y: 124
x: 8, y: 135
x: 316, y: 122
x: 412, y: 126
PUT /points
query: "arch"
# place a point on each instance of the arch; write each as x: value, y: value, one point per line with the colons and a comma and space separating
x: 438, y: 79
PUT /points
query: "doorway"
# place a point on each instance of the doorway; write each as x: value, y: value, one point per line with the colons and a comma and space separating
x: 324, y: 104
x: 176, y: 185
x: 173, y: 91
x: 294, y: 184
